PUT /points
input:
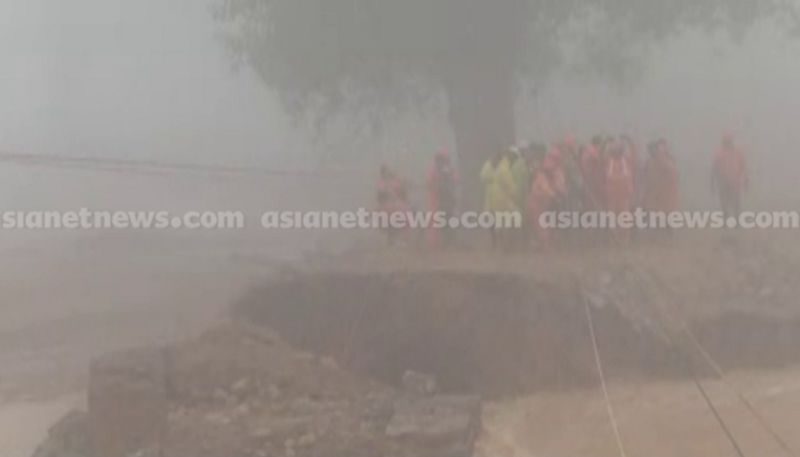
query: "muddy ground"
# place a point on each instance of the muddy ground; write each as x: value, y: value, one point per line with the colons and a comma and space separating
x: 661, y: 418
x: 513, y: 329
x: 103, y: 305
x: 111, y: 291
x: 71, y: 296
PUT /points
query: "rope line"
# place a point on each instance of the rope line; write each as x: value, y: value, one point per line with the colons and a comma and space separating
x: 641, y: 278
x: 599, y: 362
x: 719, y: 418
x: 717, y: 369
x: 749, y: 405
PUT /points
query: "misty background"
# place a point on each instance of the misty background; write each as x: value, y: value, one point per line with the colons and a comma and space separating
x: 150, y: 79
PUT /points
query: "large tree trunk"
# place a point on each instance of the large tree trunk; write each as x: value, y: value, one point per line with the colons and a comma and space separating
x: 481, y: 112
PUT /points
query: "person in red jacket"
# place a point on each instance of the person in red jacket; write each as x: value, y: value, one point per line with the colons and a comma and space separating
x: 660, y: 180
x: 632, y: 152
x: 619, y: 185
x: 392, y: 197
x: 729, y: 177
x: 441, y: 184
x: 547, y: 191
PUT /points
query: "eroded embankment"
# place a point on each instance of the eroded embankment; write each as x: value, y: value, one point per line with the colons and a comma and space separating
x: 493, y: 333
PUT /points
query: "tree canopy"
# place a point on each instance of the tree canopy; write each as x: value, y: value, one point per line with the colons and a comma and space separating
x: 330, y: 56
x: 329, y: 53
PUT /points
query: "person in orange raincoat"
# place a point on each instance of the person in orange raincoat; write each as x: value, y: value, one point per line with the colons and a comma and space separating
x: 660, y: 179
x: 591, y: 165
x: 392, y: 197
x: 570, y: 166
x: 660, y: 192
x: 558, y: 175
x: 729, y: 177
x: 619, y: 185
x: 442, y: 182
x: 547, y: 192
x: 632, y: 152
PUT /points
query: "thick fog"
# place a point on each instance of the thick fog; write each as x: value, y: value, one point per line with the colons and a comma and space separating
x: 135, y: 79
x: 151, y: 79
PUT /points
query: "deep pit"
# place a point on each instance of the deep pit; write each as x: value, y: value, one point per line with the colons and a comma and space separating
x: 302, y: 351
x: 497, y: 334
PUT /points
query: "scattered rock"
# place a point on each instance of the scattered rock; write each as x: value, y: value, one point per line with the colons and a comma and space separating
x: 306, y: 440
x: 242, y: 410
x: 274, y: 392
x: 241, y: 387
x: 418, y: 383
x: 221, y: 396
x: 69, y: 437
x: 597, y: 301
x: 435, y: 426
x: 228, y: 395
x: 261, y: 433
x: 217, y: 418
x: 145, y: 453
x: 330, y: 362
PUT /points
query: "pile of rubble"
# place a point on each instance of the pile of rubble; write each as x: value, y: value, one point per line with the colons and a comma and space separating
x: 241, y: 391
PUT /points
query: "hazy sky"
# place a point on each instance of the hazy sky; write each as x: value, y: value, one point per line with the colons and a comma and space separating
x: 139, y: 78
x: 147, y: 78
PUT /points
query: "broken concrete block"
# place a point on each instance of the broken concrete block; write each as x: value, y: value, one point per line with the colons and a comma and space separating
x: 435, y: 426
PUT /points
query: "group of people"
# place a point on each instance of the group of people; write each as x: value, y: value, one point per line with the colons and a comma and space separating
x: 606, y: 174
x: 441, y: 191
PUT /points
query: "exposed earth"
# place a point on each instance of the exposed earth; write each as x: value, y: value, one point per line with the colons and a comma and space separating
x: 322, y: 359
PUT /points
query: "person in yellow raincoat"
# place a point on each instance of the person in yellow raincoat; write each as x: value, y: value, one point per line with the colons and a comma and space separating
x: 521, y: 171
x: 500, y: 192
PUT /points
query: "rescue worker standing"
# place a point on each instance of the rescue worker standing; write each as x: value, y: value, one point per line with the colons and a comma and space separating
x: 547, y: 193
x: 619, y: 186
x: 392, y: 197
x: 442, y: 182
x: 660, y: 180
x: 566, y: 155
x: 500, y: 192
x: 632, y: 153
x: 591, y: 164
x: 729, y: 177
x: 521, y: 171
